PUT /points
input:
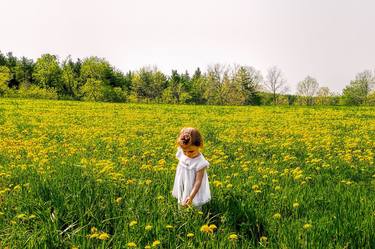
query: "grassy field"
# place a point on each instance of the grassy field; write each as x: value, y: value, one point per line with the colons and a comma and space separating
x: 100, y: 175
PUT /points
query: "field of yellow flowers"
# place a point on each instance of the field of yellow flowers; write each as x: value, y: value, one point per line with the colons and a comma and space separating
x: 100, y: 175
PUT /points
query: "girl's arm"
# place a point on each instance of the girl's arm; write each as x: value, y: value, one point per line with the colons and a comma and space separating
x: 196, y: 186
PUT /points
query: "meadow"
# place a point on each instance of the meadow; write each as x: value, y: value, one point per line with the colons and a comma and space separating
x: 100, y: 175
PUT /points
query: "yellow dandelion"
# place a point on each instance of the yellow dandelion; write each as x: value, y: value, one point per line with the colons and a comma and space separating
x: 147, y: 247
x: 118, y: 200
x: 307, y: 226
x: 190, y: 235
x: 295, y: 205
x: 168, y: 226
x: 103, y: 236
x: 148, y: 227
x: 233, y: 237
x: 213, y: 227
x: 133, y: 223
x: 263, y: 239
x: 206, y: 229
x: 132, y: 244
x: 277, y: 216
x: 155, y: 243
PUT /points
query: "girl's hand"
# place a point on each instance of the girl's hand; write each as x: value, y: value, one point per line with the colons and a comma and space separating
x: 187, y: 202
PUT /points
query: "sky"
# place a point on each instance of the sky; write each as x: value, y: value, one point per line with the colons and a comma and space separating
x: 330, y: 40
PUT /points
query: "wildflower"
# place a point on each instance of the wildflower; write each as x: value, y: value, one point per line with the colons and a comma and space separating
x: 148, y: 227
x: 132, y: 244
x: 147, y: 247
x: 190, y: 235
x: 263, y: 239
x: 133, y: 223
x: 277, y: 188
x: 213, y: 227
x: 277, y: 216
x: 118, y: 200
x: 148, y: 182
x: 17, y: 188
x: 155, y: 243
x: 103, y: 236
x: 206, y: 229
x: 21, y: 216
x: 307, y: 226
x: 295, y: 205
x: 233, y: 237
x: 160, y: 198
x: 168, y: 226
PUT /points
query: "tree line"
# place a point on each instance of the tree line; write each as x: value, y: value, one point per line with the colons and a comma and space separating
x: 95, y: 79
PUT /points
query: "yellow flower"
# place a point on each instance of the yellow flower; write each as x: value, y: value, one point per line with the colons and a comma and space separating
x: 263, y: 239
x: 295, y: 205
x: 148, y: 227
x: 17, y: 188
x: 233, y: 236
x: 147, y: 247
x: 213, y: 227
x: 94, y: 230
x: 206, y: 229
x: 168, y: 226
x: 118, y: 200
x: 155, y: 243
x: 132, y: 244
x: 74, y: 247
x: 277, y: 216
x: 103, y: 236
x: 133, y: 223
x: 307, y: 226
x: 21, y: 216
x: 93, y: 235
x: 190, y: 235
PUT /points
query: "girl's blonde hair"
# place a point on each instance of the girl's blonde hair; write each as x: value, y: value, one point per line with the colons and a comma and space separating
x: 189, y: 136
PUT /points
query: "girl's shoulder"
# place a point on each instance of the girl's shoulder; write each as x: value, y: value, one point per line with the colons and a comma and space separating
x: 179, y: 153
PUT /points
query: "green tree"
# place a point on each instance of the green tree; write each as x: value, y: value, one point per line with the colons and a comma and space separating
x: 24, y: 71
x: 198, y: 87
x: 359, y: 88
x: 95, y: 75
x: 5, y: 77
x: 47, y: 73
x: 70, y: 78
x: 248, y: 79
x: 148, y: 84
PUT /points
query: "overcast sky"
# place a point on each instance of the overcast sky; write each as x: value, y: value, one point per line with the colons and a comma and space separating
x: 330, y: 40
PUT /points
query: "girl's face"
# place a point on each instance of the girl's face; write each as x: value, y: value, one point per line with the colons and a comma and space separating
x: 190, y: 150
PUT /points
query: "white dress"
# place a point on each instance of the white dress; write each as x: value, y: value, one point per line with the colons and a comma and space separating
x: 185, y: 177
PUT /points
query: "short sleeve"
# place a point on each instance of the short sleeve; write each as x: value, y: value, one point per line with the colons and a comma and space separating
x: 202, y: 164
x: 179, y: 153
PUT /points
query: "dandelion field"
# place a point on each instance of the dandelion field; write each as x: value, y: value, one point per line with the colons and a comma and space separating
x: 100, y: 175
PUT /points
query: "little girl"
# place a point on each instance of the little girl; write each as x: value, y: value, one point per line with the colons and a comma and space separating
x: 191, y: 181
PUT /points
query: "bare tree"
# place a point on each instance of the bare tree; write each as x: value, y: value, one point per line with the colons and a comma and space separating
x: 275, y: 82
x: 324, y: 95
x: 308, y: 89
